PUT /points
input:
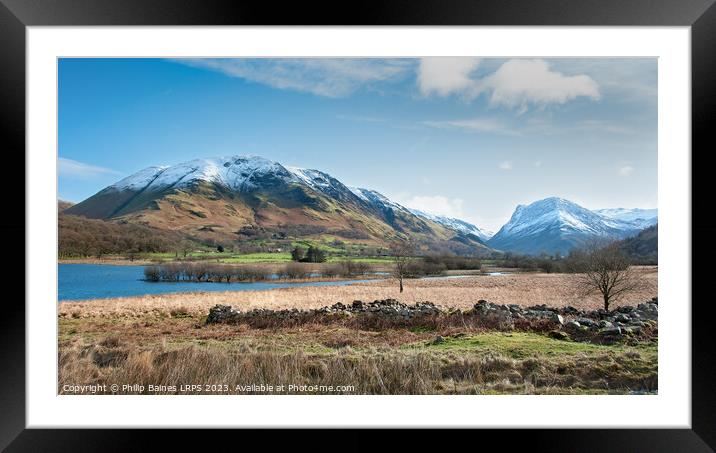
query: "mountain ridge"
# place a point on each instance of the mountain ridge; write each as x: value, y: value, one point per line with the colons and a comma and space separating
x: 223, y: 197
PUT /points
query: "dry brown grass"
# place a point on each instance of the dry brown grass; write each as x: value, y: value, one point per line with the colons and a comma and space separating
x: 377, y: 374
x: 523, y: 289
x: 461, y: 365
x: 191, y: 331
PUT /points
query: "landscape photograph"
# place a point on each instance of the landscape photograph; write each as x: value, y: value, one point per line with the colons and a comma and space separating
x: 357, y: 226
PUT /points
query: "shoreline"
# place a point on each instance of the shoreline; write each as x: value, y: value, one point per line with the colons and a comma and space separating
x: 111, y: 262
x: 557, y: 290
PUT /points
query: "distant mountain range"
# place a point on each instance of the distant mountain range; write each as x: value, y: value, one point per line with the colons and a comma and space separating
x: 249, y: 198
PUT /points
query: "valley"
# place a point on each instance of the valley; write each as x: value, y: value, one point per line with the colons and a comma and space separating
x: 289, y: 253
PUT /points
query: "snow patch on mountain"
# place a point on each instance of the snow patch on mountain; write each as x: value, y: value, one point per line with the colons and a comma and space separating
x: 140, y: 179
x: 455, y: 224
x: 235, y: 172
x: 377, y: 199
x: 643, y: 218
x: 312, y: 178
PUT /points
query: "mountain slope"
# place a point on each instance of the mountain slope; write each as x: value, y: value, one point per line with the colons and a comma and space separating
x: 62, y: 205
x: 241, y: 198
x: 556, y: 225
x: 644, y: 247
x: 80, y: 236
x: 456, y: 224
x: 642, y: 217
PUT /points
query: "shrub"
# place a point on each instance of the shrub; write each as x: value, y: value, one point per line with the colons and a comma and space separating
x: 350, y: 268
x: 295, y: 271
x: 152, y: 273
x: 419, y: 268
x: 314, y: 255
x: 453, y: 262
x: 298, y: 254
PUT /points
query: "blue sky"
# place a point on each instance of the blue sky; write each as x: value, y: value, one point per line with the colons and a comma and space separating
x: 464, y: 137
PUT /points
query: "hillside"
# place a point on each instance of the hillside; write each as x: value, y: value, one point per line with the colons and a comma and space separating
x: 62, y: 205
x: 80, y: 237
x: 644, y: 247
x: 249, y: 199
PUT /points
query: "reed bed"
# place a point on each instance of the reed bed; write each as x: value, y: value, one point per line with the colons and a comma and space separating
x: 227, y: 273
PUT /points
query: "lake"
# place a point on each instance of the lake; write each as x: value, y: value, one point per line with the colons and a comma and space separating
x: 94, y: 281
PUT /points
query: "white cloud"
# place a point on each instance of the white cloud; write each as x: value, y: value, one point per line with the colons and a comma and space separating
x: 446, y: 75
x: 516, y: 84
x: 624, y: 79
x: 329, y: 77
x: 434, y: 204
x: 626, y: 170
x: 74, y: 169
x: 473, y: 125
x: 506, y: 165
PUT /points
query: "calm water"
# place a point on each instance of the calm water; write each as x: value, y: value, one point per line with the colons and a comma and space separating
x: 93, y: 281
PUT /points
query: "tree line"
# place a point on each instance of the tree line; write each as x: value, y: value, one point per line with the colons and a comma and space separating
x: 83, y: 237
x: 227, y: 273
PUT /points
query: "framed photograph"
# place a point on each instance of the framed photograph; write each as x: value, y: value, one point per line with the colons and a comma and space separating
x: 471, y: 222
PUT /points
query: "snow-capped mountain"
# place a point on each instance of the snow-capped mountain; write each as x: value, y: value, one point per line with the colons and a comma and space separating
x: 556, y: 225
x: 456, y: 224
x: 223, y: 197
x: 237, y: 173
x: 642, y: 217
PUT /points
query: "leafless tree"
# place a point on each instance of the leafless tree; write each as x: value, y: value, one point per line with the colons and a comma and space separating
x: 605, y: 269
x: 401, y: 253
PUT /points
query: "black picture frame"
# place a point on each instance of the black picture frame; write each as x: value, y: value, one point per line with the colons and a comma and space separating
x: 700, y: 15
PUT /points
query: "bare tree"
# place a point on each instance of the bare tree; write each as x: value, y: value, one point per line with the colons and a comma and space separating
x: 401, y: 253
x: 608, y: 271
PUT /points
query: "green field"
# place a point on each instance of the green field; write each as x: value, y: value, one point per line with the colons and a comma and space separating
x: 235, y: 258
